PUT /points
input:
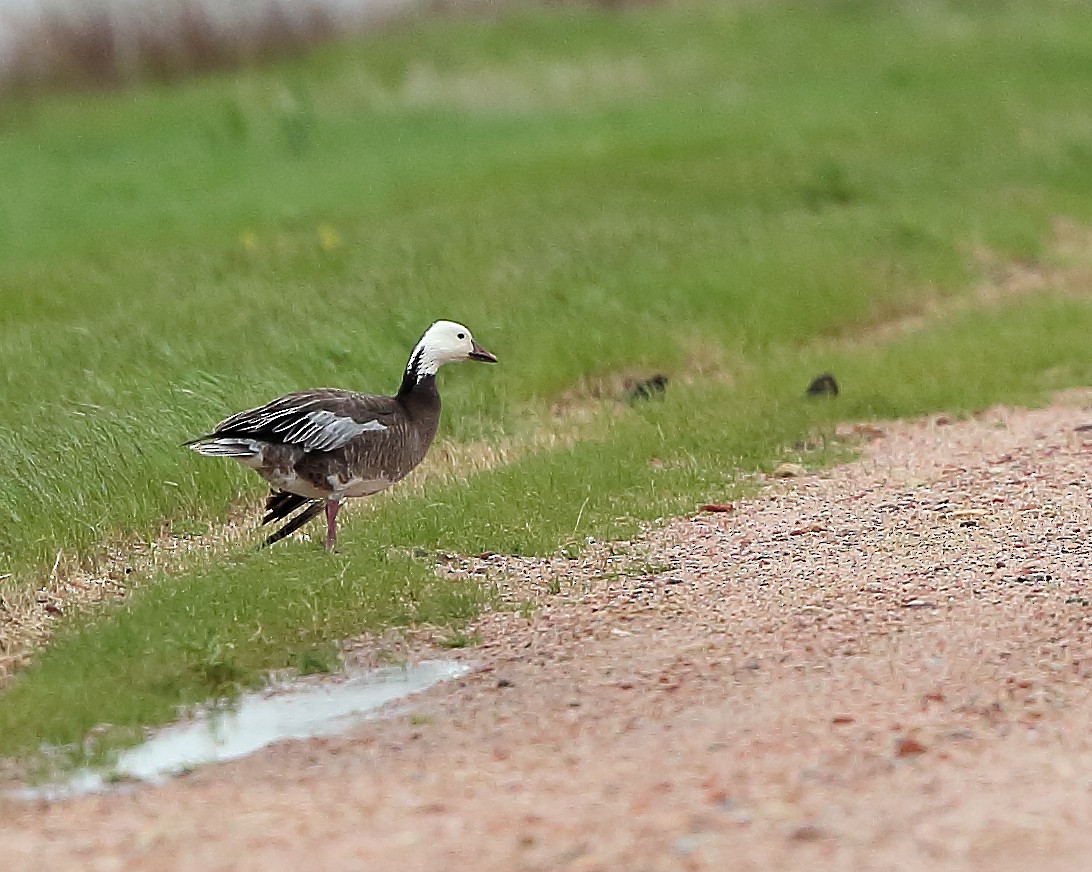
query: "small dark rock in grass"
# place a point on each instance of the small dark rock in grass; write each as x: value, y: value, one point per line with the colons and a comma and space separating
x: 646, y: 389
x: 823, y: 385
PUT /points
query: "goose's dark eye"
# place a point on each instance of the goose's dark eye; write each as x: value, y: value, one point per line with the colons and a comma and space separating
x: 462, y: 336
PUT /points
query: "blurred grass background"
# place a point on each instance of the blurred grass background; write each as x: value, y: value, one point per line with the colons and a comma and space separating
x: 738, y: 195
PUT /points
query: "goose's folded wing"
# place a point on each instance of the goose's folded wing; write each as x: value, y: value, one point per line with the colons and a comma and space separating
x: 319, y: 420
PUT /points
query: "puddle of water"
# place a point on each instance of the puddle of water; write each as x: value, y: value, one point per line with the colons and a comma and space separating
x: 256, y: 720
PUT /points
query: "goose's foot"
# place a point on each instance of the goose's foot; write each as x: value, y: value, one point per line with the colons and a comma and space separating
x: 331, y: 523
x: 292, y: 526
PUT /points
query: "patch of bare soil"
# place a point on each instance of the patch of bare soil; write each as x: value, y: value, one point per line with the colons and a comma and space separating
x: 886, y: 666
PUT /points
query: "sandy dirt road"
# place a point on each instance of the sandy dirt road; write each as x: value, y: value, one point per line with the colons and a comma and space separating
x: 887, y: 665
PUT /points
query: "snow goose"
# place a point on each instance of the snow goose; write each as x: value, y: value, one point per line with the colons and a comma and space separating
x: 316, y: 448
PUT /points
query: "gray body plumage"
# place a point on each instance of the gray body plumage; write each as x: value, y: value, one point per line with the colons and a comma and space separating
x: 326, y: 445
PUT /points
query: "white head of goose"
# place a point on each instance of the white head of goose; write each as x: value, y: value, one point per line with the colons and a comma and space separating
x: 316, y: 448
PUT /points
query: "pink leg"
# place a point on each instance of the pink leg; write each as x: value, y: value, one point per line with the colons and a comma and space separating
x: 331, y: 523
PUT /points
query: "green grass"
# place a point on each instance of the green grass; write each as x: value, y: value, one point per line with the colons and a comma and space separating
x: 590, y: 192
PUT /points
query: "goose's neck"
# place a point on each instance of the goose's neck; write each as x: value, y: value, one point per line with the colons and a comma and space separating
x: 420, y: 376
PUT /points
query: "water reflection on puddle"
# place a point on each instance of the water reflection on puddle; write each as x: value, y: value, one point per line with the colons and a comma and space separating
x: 256, y: 720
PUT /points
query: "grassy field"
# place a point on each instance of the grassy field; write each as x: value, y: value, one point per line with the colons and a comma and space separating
x: 739, y: 197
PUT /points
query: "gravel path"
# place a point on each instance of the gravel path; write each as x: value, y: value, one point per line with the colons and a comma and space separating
x: 888, y: 666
